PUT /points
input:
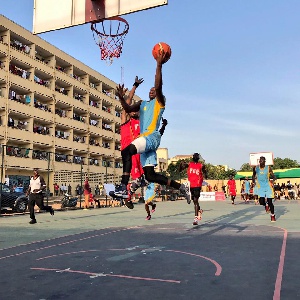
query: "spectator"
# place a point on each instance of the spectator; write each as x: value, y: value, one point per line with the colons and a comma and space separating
x: 56, y: 189
x: 69, y: 189
x: 86, y: 192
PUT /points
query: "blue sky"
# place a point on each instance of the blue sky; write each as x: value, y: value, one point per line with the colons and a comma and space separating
x: 232, y: 84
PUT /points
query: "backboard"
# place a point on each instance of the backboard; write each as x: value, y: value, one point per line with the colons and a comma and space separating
x: 51, y: 15
x: 254, y: 158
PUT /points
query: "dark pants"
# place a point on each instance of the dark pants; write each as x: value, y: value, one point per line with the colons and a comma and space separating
x: 37, y: 199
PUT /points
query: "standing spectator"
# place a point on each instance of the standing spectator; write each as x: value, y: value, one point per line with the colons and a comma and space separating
x: 101, y: 187
x: 86, y: 192
x: 35, y: 191
x: 69, y: 189
x: 61, y: 189
x: 56, y: 189
x: 97, y: 190
x: 215, y: 188
x: 78, y: 190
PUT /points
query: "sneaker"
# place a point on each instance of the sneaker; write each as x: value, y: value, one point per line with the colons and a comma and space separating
x: 273, y: 219
x: 267, y: 209
x: 185, y: 189
x: 133, y: 187
x: 153, y: 208
x: 232, y: 202
x: 33, y: 221
x: 121, y: 191
x: 148, y: 218
x: 195, y: 222
x: 129, y: 203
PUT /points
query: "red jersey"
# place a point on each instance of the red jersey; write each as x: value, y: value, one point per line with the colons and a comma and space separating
x: 130, y: 130
x: 231, y: 186
x: 195, y: 175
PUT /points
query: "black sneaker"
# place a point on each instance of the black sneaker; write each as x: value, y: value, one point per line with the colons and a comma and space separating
x: 129, y: 204
x: 185, y: 189
x: 33, y: 221
x: 121, y: 191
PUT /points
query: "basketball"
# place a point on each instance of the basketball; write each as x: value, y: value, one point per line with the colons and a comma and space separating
x: 162, y: 47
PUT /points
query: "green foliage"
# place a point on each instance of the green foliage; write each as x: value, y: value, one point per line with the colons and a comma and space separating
x: 213, y: 172
x: 245, y: 168
x: 285, y: 163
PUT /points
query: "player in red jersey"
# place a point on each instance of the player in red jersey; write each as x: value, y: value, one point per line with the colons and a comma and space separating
x: 231, y: 188
x: 130, y: 130
x: 196, y: 173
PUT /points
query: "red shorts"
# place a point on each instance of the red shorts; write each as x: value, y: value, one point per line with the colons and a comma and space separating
x: 136, y: 170
x: 232, y: 192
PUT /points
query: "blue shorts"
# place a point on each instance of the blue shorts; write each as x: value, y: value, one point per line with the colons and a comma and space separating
x: 148, y: 156
x: 150, y: 193
x: 265, y: 191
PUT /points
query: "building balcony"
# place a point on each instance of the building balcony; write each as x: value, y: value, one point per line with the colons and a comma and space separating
x: 64, y: 166
x: 78, y: 84
x: 80, y: 146
x: 41, y: 114
x: 2, y: 131
x: 21, y: 108
x: 21, y: 56
x: 2, y: 102
x: 106, y: 115
x: 65, y: 121
x: 96, y: 169
x: 43, y: 90
x: 107, y: 133
x: 95, y: 149
x: 95, y: 110
x: 18, y: 134
x: 3, y: 74
x: 64, y: 143
x: 63, y: 77
x: 78, y: 125
x: 19, y: 81
x: 79, y: 104
x: 42, y: 139
x: 26, y: 163
x: 95, y: 130
x: 3, y: 48
x: 39, y: 65
x: 64, y: 98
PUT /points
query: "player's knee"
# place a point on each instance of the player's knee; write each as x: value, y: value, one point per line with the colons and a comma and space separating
x: 262, y: 201
x: 129, y: 151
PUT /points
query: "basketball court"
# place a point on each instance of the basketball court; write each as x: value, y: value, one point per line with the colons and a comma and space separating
x: 114, y: 253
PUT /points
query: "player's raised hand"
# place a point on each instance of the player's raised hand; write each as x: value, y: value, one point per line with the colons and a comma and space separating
x: 121, y: 91
x: 138, y: 81
x: 164, y: 122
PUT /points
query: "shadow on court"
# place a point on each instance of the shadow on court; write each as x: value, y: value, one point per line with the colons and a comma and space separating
x: 223, y: 258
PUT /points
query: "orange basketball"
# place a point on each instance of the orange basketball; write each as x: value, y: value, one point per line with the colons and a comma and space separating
x: 162, y: 47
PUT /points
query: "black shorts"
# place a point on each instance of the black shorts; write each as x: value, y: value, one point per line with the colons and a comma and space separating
x: 195, y: 191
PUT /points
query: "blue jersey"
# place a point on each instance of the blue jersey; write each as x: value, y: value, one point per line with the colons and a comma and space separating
x: 247, y: 186
x: 150, y: 116
x: 264, y: 187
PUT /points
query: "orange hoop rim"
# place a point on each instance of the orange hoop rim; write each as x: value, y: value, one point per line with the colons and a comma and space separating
x: 125, y: 31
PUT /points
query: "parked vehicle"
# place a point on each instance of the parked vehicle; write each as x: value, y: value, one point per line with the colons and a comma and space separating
x: 15, y: 201
x: 68, y: 201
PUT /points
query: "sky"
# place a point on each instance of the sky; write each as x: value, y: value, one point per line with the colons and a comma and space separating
x: 232, y: 84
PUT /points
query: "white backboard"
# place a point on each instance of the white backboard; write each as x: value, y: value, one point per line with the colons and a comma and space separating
x: 254, y: 158
x: 51, y: 15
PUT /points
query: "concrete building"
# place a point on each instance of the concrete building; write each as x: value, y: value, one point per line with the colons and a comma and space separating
x: 162, y: 160
x: 56, y: 114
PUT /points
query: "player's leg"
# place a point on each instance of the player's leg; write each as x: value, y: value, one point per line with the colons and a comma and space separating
x: 149, y: 196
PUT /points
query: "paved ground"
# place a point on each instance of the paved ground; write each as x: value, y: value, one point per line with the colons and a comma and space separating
x: 114, y: 253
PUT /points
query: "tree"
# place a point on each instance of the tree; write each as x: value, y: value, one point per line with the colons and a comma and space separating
x: 285, y: 163
x: 245, y: 168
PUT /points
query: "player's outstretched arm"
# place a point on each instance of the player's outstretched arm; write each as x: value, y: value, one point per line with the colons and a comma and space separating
x: 121, y: 91
x: 136, y: 84
x: 158, y: 78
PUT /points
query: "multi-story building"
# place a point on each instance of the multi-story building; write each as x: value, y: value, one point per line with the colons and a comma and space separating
x: 56, y: 113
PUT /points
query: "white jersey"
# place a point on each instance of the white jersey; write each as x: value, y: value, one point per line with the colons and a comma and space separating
x: 37, y: 184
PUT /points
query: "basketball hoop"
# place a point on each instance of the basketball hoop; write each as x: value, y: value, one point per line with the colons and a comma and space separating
x: 110, y: 37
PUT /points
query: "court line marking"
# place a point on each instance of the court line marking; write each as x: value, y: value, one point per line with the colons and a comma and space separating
x: 109, y: 275
x: 277, y: 290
